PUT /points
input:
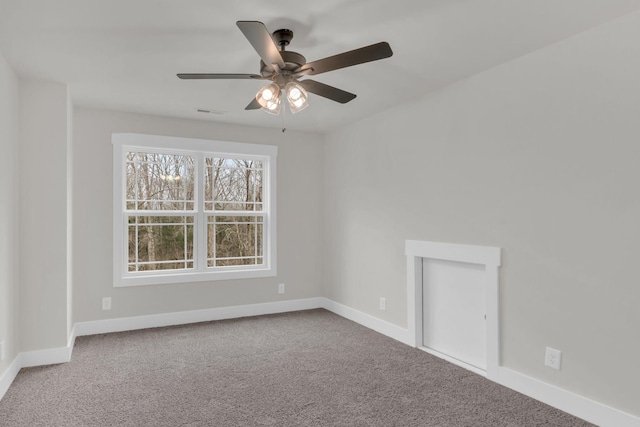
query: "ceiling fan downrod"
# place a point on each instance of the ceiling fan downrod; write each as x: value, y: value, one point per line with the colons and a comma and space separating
x: 282, y: 37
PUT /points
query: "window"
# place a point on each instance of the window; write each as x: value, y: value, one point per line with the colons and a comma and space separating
x: 188, y: 210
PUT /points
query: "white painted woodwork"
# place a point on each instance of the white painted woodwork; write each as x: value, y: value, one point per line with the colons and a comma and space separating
x: 453, y: 310
x: 198, y: 149
x: 488, y: 258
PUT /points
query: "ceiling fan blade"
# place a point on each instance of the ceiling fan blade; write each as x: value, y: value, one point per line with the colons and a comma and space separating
x: 253, y: 105
x: 326, y: 91
x: 218, y: 76
x: 347, y: 59
x: 262, y: 42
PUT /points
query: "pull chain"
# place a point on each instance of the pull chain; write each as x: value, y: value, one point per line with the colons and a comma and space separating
x: 284, y: 111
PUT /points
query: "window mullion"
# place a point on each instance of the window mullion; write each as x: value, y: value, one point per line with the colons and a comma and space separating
x: 137, y: 262
x: 266, y: 209
x: 125, y: 218
x: 201, y: 227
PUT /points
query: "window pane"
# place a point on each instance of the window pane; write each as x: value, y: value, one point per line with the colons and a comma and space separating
x: 160, y: 242
x: 234, y: 240
x: 157, y: 181
x: 233, y: 184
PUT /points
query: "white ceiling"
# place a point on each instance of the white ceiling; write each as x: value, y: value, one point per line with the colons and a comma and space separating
x: 125, y: 54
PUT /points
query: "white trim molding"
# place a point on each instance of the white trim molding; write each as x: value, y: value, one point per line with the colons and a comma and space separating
x: 564, y: 400
x: 198, y: 150
x: 49, y: 356
x: 185, y: 317
x: 575, y: 404
x: 9, y: 375
x: 416, y: 251
x: 52, y: 356
x: 194, y: 316
x: 378, y: 325
x: 26, y: 359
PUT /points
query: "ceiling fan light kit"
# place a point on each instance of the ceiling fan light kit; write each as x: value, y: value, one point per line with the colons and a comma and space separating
x: 269, y: 98
x: 297, y: 97
x: 285, y: 68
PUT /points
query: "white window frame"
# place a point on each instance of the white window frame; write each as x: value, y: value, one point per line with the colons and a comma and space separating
x: 199, y: 148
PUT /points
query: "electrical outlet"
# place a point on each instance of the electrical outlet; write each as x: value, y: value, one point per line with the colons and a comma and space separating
x: 383, y: 303
x: 553, y: 358
x: 106, y: 303
x: 281, y: 288
x: 2, y: 351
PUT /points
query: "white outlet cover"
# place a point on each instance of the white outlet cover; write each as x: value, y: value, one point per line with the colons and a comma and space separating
x: 553, y: 358
x: 281, y: 288
x: 383, y: 304
x: 2, y: 351
x: 106, y: 303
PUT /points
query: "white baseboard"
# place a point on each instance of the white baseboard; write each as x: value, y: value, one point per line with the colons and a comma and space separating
x: 50, y: 356
x: 378, y: 325
x: 580, y: 406
x: 194, y: 316
x: 53, y: 356
x: 564, y: 400
x: 9, y: 375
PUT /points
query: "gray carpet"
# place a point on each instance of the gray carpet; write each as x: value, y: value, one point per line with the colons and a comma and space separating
x: 309, y: 368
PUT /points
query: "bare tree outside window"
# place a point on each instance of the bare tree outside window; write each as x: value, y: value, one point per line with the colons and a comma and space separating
x: 192, y: 210
x: 233, y: 198
x: 160, y: 195
x: 157, y: 185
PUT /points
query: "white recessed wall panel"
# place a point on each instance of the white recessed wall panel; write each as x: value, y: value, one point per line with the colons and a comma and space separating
x: 453, y: 310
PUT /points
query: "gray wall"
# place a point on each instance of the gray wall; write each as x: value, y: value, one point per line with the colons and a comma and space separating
x: 43, y: 215
x: 298, y: 215
x: 8, y: 213
x: 538, y: 156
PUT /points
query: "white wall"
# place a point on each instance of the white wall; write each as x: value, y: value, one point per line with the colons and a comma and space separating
x: 539, y: 156
x: 298, y: 213
x: 43, y: 215
x: 8, y: 213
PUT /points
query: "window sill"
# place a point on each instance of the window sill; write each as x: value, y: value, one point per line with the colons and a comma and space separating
x: 176, y: 278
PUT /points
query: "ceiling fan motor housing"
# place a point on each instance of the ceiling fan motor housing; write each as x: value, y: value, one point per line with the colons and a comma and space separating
x: 293, y: 61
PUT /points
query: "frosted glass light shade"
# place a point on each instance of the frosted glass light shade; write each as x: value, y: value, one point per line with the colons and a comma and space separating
x: 296, y: 96
x: 269, y: 98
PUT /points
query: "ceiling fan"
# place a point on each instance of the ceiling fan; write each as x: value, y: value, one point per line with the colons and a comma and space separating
x: 284, y: 69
